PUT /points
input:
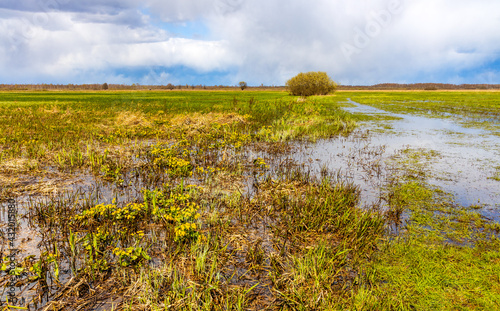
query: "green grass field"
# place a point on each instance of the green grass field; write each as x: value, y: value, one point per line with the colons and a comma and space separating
x: 191, y: 206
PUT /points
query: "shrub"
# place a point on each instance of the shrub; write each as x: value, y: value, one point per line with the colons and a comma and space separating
x: 243, y: 85
x: 311, y: 83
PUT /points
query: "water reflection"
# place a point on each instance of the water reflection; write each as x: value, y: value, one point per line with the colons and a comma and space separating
x: 465, y: 162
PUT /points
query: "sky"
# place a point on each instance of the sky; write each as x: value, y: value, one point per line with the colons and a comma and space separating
x: 223, y: 42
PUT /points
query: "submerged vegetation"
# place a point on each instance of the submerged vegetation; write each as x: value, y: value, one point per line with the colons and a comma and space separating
x: 190, y: 200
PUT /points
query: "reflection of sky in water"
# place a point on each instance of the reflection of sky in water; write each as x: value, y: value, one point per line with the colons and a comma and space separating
x: 467, y: 156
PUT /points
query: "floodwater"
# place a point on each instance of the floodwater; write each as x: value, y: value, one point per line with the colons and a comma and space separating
x: 462, y: 160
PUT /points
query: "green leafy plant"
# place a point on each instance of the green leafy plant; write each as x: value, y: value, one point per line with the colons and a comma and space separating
x: 95, y: 249
x: 133, y: 255
x: 6, y: 266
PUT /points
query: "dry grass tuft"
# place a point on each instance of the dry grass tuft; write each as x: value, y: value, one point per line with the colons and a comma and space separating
x: 132, y: 119
x: 21, y: 183
x: 17, y: 165
x: 198, y: 120
x: 53, y: 110
x: 46, y: 187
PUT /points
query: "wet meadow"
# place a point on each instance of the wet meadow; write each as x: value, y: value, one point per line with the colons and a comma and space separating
x: 250, y: 200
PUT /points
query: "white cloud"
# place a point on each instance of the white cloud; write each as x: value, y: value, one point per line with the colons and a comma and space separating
x: 67, y: 44
x: 408, y: 39
x: 355, y: 41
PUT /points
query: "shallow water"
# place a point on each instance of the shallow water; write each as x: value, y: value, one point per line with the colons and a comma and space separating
x: 464, y: 164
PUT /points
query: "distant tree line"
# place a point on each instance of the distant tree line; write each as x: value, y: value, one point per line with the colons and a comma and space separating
x: 421, y: 86
x: 169, y: 86
x: 109, y: 86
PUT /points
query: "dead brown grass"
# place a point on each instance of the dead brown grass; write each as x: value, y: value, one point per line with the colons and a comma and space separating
x: 132, y: 119
x: 198, y: 120
x: 17, y: 166
x: 52, y: 110
x: 19, y: 185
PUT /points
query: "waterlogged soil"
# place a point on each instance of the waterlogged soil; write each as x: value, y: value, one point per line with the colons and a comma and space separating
x: 460, y: 160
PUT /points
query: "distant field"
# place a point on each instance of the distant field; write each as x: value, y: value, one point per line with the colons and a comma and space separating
x: 200, y: 200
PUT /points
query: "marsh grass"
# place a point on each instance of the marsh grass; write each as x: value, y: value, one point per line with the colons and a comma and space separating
x: 444, y: 257
x: 190, y: 149
x: 194, y: 205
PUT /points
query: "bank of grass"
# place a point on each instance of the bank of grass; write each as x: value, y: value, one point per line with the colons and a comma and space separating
x: 446, y: 258
x: 45, y: 123
x: 195, y: 236
x: 441, y: 257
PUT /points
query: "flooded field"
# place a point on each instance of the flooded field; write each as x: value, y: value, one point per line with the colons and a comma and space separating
x: 229, y: 200
x: 463, y: 160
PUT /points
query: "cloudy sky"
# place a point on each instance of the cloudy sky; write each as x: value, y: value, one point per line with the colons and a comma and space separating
x: 266, y: 42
